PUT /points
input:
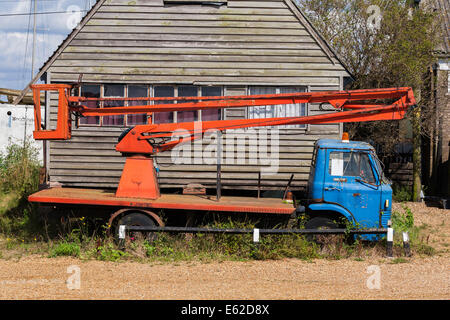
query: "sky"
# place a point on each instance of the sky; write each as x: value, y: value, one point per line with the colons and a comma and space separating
x: 16, y: 35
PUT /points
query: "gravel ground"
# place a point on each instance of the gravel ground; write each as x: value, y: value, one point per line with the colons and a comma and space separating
x: 35, y: 277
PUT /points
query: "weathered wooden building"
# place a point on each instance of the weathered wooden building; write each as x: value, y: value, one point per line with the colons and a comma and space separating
x: 164, y: 48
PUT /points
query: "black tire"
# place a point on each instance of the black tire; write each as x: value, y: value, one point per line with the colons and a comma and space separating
x: 319, y: 223
x: 140, y: 220
x: 124, y: 133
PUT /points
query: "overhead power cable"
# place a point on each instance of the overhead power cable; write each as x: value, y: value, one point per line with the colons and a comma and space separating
x: 50, y: 12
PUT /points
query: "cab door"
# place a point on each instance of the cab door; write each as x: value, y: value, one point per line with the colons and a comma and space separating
x: 351, y: 182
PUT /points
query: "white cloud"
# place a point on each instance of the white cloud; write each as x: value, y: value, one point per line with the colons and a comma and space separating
x: 15, y: 69
x: 52, y: 29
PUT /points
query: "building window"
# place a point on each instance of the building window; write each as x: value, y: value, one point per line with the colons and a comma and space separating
x: 211, y: 114
x: 187, y: 116
x: 187, y: 91
x: 137, y: 91
x: 276, y: 111
x: 159, y: 91
x: 113, y: 91
x: 90, y: 91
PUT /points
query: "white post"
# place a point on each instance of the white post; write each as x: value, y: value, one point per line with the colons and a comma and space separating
x: 255, y: 235
x: 390, y: 242
x: 406, y: 245
x: 122, y: 229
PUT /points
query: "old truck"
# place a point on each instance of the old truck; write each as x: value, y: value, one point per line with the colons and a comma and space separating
x: 346, y: 182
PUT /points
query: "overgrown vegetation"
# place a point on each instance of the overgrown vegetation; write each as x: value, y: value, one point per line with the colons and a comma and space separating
x: 19, y: 168
x: 401, y: 193
x: 82, y: 239
x: 19, y: 177
x: 404, y: 222
x: 22, y: 232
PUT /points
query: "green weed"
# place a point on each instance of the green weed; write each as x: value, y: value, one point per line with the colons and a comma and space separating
x: 401, y: 193
x: 19, y: 176
x: 65, y: 249
x: 109, y: 252
x: 404, y: 222
x: 399, y: 260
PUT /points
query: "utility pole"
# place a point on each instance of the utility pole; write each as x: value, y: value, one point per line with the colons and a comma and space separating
x: 32, y: 67
x: 34, y: 40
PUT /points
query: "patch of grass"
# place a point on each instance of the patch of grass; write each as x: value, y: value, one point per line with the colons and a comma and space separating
x: 221, y: 247
x: 424, y: 249
x: 399, y: 260
x: 109, y: 252
x: 403, y: 221
x: 65, y: 249
x: 418, y: 235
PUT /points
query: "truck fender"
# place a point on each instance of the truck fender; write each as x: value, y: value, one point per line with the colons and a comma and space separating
x: 332, y: 207
x: 152, y: 215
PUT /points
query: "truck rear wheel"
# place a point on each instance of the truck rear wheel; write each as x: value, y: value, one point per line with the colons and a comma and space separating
x: 140, y: 220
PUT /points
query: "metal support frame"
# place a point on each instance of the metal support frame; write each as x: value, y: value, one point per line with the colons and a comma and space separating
x: 219, y: 166
x: 256, y: 232
x: 261, y: 231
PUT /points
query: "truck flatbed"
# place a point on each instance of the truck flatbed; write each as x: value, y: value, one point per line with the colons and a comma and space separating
x: 99, y: 197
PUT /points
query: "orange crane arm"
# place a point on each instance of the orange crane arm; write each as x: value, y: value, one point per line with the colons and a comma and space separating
x: 142, y: 138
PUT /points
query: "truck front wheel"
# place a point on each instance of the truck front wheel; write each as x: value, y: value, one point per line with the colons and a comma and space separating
x: 319, y: 223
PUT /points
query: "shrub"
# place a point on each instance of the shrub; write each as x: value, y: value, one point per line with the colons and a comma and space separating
x: 401, y: 193
x: 403, y: 221
x: 19, y: 169
x: 108, y: 252
x: 65, y: 249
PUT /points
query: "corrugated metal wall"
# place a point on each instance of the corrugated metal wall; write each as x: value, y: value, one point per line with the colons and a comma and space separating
x: 238, y: 45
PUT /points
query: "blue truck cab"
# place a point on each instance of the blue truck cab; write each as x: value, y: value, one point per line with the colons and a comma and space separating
x: 346, y: 183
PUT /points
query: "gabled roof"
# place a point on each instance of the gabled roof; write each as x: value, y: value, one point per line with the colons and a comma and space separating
x: 292, y: 5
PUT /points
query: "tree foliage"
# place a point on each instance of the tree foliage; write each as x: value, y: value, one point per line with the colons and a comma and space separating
x: 383, y: 43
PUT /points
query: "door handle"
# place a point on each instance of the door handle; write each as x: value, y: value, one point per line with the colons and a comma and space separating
x: 356, y: 194
x: 332, y: 188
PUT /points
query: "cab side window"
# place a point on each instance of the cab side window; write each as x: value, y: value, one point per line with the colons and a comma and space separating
x: 351, y: 164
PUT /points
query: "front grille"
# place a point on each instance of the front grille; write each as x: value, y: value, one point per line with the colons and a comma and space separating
x: 385, y: 218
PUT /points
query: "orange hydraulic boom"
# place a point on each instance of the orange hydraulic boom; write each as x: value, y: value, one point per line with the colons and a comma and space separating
x: 143, y: 141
